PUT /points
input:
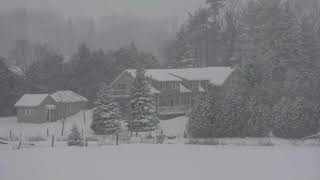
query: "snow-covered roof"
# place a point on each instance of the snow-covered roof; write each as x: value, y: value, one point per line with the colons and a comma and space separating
x: 31, y: 100
x: 154, y: 90
x: 67, y: 96
x: 157, y: 74
x: 201, y: 89
x: 183, y: 89
x: 50, y: 106
x: 16, y: 70
x: 215, y: 75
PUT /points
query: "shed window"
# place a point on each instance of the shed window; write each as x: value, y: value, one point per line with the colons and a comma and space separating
x: 28, y: 112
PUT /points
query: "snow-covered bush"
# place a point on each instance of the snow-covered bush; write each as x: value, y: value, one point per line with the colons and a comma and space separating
x: 258, y: 124
x: 75, y: 138
x: 265, y: 142
x: 199, y: 125
x: 295, y: 118
x: 210, y: 141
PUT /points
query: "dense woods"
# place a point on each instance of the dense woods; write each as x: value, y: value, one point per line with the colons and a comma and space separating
x: 275, y: 86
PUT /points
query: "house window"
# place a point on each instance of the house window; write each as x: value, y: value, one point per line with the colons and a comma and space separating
x: 162, y: 85
x: 195, y: 85
x: 122, y: 86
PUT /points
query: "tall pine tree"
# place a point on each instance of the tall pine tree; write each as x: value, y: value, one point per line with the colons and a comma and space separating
x: 143, y: 109
x: 106, y: 115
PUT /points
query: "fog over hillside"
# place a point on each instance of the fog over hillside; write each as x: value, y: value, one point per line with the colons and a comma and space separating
x: 106, y: 24
x: 144, y: 8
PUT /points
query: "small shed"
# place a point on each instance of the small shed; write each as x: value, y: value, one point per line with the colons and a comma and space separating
x: 68, y: 103
x: 36, y: 108
x: 42, y: 108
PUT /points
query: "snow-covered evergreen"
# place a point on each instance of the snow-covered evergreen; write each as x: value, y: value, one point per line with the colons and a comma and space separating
x: 143, y: 108
x: 75, y: 138
x: 295, y: 118
x: 200, y: 124
x: 106, y: 115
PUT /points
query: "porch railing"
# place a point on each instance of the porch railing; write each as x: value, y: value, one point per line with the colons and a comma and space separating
x: 172, y: 110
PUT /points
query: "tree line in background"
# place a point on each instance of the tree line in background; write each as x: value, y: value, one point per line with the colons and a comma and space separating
x: 83, y: 72
x: 275, y: 89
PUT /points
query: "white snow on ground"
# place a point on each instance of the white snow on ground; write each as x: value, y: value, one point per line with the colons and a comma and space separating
x: 34, y: 130
x: 162, y: 162
x: 174, y: 127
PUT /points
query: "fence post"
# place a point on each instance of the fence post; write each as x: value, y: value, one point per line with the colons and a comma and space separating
x: 82, y: 133
x: 62, y: 129
x: 84, y: 118
x: 47, y: 132
x: 52, y: 141
x: 10, y: 135
x: 117, y: 139
x: 19, y: 144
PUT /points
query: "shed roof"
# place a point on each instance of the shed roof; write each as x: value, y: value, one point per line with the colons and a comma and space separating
x: 31, y: 100
x: 68, y: 96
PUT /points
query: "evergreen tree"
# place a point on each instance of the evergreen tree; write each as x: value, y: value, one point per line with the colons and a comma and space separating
x: 204, y: 119
x: 183, y: 49
x: 106, y: 115
x: 12, y: 87
x: 295, y: 118
x: 199, y: 124
x: 143, y: 109
x: 75, y: 138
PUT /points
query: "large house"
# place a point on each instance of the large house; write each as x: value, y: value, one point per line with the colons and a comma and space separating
x: 174, y: 89
x: 42, y: 108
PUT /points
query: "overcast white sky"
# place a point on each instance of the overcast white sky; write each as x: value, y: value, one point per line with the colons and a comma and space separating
x: 96, y: 8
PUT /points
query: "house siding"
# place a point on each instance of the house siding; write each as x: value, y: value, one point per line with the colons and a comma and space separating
x: 126, y: 79
x: 68, y: 109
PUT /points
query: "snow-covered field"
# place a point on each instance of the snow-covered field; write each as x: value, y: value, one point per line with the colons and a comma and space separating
x: 230, y: 159
x: 8, y: 124
x: 162, y: 162
x: 174, y: 127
